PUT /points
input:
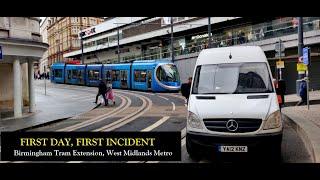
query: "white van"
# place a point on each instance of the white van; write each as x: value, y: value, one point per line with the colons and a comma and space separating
x: 233, y: 106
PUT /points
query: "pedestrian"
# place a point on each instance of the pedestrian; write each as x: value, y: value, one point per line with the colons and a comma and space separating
x: 303, y: 93
x: 102, y: 91
x: 110, y: 93
x: 282, y: 90
x: 185, y: 89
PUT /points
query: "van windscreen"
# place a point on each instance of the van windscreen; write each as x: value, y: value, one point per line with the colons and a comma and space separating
x: 234, y: 78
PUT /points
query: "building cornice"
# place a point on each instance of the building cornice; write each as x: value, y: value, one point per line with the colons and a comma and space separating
x: 14, y: 41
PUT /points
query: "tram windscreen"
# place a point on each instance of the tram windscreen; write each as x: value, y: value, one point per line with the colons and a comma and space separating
x: 168, y: 72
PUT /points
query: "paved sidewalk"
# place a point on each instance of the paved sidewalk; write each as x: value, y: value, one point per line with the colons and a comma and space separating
x: 313, y: 95
x: 56, y: 105
x: 306, y: 122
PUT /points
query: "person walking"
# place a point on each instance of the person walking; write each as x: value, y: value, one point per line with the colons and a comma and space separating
x: 102, y: 91
x: 110, y: 93
x: 303, y: 93
x: 185, y: 89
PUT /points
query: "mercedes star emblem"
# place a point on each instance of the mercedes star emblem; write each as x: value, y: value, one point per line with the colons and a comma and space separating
x: 232, y: 125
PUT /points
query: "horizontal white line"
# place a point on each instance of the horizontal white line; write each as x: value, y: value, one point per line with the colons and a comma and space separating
x: 163, y: 98
x: 156, y: 124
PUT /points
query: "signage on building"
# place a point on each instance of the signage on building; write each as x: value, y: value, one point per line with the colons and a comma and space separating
x: 88, y: 32
x: 73, y: 62
x: 200, y: 36
x: 280, y: 64
x: 306, y: 55
x: 301, y: 67
x: 1, y: 56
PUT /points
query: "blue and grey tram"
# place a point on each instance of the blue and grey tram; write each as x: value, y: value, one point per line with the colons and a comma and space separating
x: 143, y: 75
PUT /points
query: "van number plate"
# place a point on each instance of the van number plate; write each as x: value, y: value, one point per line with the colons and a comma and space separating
x: 233, y: 148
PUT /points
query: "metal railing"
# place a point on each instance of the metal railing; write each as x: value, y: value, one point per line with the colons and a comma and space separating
x: 260, y: 32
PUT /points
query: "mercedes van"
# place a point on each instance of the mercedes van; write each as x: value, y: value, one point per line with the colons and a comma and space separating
x: 233, y: 106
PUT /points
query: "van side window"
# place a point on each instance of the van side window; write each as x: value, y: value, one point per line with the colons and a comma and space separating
x: 196, y: 81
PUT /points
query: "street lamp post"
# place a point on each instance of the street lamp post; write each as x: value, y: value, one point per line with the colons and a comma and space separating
x: 300, y: 44
x: 81, y: 41
x: 172, y: 48
x: 118, y: 34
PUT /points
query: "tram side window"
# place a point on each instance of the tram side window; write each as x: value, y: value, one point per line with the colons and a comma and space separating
x: 123, y: 75
x: 69, y: 74
x: 115, y: 75
x: 161, y: 74
x: 75, y: 74
x: 143, y: 77
x: 140, y: 75
x: 93, y: 74
x: 58, y: 73
x: 108, y: 75
x: 79, y: 74
x: 136, y: 76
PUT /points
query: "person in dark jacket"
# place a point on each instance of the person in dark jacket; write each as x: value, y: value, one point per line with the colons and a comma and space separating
x: 185, y: 89
x: 303, y: 93
x: 102, y: 91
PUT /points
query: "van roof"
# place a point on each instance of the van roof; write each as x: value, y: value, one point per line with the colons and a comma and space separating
x: 238, y: 54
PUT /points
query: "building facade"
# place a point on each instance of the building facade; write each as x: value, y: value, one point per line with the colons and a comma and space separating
x: 62, y: 35
x: 21, y: 47
x: 43, y: 63
x: 150, y: 38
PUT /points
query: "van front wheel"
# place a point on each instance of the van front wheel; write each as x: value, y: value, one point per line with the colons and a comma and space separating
x: 192, y: 150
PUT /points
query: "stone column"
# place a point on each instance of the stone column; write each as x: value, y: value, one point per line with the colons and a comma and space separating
x: 17, y: 90
x: 31, y: 86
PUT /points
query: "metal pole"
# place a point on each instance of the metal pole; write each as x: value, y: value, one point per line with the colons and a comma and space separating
x: 172, y: 48
x: 300, y: 42
x: 308, y: 77
x: 280, y: 71
x: 118, y: 44
x: 209, y: 32
x: 82, y: 59
x: 308, y: 104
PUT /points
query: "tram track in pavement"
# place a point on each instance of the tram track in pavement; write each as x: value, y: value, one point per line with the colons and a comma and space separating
x: 147, y: 104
